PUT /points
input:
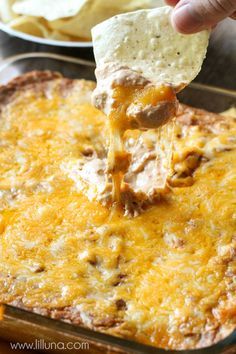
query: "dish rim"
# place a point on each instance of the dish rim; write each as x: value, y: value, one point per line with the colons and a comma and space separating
x: 11, y: 60
x: 50, y: 42
x: 23, y: 316
x: 6, y: 62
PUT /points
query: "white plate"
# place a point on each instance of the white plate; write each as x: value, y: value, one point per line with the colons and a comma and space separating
x: 28, y: 37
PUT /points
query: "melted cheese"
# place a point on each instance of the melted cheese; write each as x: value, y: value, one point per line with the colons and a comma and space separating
x: 141, y: 97
x: 173, y: 266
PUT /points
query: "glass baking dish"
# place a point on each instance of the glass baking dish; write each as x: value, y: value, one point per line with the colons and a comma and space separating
x: 23, y: 326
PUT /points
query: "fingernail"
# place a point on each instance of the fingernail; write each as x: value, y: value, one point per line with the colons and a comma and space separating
x: 185, y: 20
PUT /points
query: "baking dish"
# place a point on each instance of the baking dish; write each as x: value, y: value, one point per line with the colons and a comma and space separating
x: 24, y: 326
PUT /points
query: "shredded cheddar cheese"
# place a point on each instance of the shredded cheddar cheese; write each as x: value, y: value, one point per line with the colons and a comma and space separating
x: 164, y: 278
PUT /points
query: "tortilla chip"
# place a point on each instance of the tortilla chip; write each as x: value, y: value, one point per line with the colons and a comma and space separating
x: 65, y: 20
x: 94, y: 12
x: 29, y: 25
x: 58, y: 36
x: 158, y: 53
x: 48, y: 9
x: 133, y: 5
x: 6, y: 12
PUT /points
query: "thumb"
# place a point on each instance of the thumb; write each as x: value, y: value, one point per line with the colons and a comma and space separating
x: 190, y: 16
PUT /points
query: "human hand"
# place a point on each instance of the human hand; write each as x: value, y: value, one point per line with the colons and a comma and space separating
x: 191, y: 16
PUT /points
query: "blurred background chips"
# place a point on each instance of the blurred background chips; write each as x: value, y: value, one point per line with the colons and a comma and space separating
x: 65, y: 20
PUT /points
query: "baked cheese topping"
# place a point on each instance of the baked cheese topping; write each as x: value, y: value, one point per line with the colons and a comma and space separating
x: 165, y: 277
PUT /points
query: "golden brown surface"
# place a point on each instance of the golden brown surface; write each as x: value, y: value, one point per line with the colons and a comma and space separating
x: 164, y: 278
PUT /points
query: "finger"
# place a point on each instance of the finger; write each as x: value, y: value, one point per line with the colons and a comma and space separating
x: 233, y: 16
x: 172, y: 2
x: 190, y: 16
